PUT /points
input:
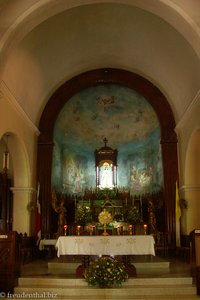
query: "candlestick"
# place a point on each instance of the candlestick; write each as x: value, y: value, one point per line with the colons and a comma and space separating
x: 104, y: 230
x: 91, y: 229
x: 65, y: 229
x: 130, y: 229
x: 78, y: 229
x: 145, y: 229
x: 118, y: 229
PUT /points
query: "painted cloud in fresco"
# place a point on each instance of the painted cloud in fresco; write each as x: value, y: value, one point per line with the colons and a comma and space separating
x: 129, y: 123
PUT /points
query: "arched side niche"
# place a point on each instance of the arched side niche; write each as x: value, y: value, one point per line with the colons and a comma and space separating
x: 17, y: 179
x: 108, y: 76
x: 19, y: 168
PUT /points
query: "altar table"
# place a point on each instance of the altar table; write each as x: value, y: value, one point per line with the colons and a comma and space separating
x: 105, y: 245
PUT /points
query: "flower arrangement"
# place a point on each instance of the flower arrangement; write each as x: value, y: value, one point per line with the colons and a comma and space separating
x: 106, y: 272
x: 83, y: 215
x: 105, y: 217
x: 105, y: 193
x: 132, y: 216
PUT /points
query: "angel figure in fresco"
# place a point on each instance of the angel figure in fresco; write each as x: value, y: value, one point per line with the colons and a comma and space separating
x: 79, y: 180
x: 59, y: 207
x: 135, y: 181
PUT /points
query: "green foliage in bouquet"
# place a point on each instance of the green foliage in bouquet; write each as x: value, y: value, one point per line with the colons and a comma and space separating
x: 132, y: 215
x: 106, y: 272
x: 83, y: 215
x: 106, y: 194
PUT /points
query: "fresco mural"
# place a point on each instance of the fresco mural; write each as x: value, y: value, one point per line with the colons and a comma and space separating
x: 130, y: 125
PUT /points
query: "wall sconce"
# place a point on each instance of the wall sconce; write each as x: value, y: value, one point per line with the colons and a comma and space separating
x: 6, y: 156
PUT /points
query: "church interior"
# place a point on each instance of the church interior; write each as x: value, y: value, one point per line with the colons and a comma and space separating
x: 99, y: 131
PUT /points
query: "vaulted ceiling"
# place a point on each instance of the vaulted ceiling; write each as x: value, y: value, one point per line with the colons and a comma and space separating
x: 45, y: 43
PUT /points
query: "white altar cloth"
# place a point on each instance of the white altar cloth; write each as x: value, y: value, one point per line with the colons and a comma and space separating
x: 105, y: 245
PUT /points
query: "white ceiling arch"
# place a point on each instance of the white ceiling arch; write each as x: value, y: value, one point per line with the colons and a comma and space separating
x: 33, y: 69
x: 28, y: 14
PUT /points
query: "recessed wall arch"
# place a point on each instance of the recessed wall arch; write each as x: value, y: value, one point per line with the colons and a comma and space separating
x: 18, y: 176
x: 19, y: 163
x: 109, y: 76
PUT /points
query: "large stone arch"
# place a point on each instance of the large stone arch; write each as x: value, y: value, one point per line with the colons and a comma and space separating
x: 121, y: 77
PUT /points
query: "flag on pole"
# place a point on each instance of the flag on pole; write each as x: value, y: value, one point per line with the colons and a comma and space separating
x: 38, y: 218
x: 178, y: 215
x: 178, y: 209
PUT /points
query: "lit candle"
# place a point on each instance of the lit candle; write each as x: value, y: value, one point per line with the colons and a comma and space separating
x: 91, y: 229
x: 65, y: 228
x: 145, y: 229
x: 130, y: 229
x: 78, y: 228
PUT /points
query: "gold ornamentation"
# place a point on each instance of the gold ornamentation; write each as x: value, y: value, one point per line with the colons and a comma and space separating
x: 105, y: 217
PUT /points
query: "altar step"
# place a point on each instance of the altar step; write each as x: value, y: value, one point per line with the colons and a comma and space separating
x: 160, y: 267
x: 135, y: 288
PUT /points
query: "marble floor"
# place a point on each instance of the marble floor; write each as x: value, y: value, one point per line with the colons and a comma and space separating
x: 148, y: 266
x: 157, y: 278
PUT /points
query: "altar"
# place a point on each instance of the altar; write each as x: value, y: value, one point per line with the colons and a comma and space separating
x: 105, y: 245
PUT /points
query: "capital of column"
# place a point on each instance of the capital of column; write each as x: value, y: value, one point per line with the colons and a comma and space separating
x: 190, y: 187
x: 28, y: 190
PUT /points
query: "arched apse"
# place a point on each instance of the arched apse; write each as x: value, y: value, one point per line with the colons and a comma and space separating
x: 94, y: 78
x: 130, y: 125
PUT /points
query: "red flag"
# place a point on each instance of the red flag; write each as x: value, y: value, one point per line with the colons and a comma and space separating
x: 38, y: 219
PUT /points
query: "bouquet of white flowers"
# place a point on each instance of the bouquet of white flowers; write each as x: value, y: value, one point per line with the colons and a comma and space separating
x: 106, y: 272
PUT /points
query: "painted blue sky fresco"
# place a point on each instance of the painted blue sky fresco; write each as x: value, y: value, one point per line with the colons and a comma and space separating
x: 130, y: 125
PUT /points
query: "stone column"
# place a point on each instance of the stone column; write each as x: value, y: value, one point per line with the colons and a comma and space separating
x: 21, y: 215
